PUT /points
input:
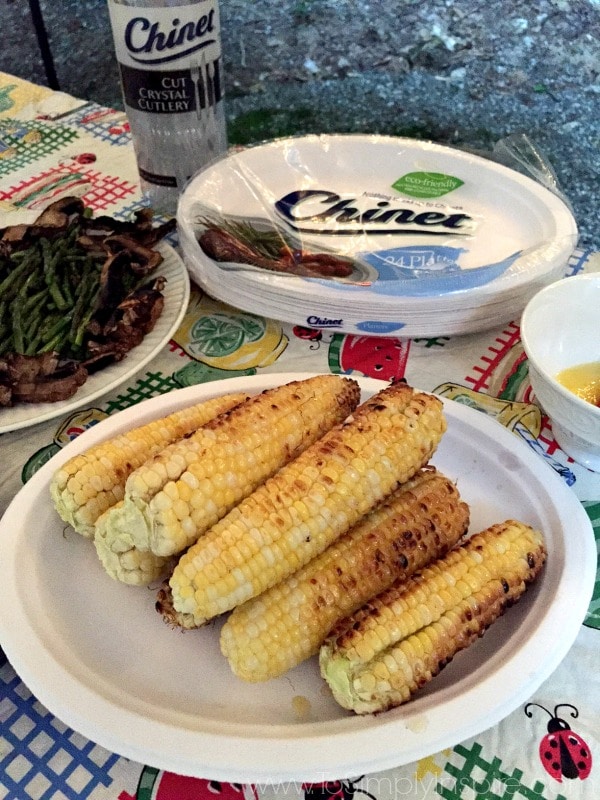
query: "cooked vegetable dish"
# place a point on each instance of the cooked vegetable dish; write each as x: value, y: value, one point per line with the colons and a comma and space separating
x: 76, y: 293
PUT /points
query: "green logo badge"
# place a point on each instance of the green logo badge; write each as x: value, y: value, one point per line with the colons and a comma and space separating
x: 426, y: 184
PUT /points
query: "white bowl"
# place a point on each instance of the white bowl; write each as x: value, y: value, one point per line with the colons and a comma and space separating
x: 560, y: 328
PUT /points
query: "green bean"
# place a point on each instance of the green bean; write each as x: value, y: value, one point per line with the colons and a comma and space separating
x: 30, y: 328
x: 49, y: 321
x: 85, y: 319
x: 31, y: 280
x: 19, y: 254
x: 74, y: 234
x: 36, y: 335
x: 35, y: 300
x: 56, y: 335
x: 31, y: 338
x: 18, y: 337
x: 51, y: 281
x: 66, y: 289
x: 82, y: 299
x: 53, y: 344
x: 14, y: 276
x: 74, y: 275
x: 32, y: 312
x: 58, y: 326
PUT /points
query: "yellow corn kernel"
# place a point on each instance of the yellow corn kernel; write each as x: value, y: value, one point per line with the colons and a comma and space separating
x: 173, y: 498
x: 380, y: 656
x: 286, y: 624
x: 90, y: 483
x: 403, y: 424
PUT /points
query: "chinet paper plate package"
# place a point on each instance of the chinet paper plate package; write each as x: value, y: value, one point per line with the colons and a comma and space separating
x: 372, y: 235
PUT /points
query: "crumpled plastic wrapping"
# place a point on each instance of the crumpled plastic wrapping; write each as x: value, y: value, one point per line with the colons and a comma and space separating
x: 519, y: 152
x: 376, y: 234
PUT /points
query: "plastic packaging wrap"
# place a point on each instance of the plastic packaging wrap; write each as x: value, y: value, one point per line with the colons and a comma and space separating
x: 373, y: 234
x: 519, y: 152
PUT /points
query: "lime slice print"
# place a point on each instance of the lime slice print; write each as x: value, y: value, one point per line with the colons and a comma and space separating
x: 220, y: 335
x: 253, y: 327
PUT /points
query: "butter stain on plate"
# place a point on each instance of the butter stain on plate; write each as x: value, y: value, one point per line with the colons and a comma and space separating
x: 301, y: 707
x: 418, y: 724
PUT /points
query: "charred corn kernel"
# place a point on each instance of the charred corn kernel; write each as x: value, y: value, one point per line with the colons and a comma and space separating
x: 173, y: 498
x: 295, y: 515
x: 419, y: 522
x: 127, y: 564
x: 90, y: 483
x: 381, y: 655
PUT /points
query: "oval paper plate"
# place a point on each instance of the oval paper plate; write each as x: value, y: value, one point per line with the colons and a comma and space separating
x: 99, y: 657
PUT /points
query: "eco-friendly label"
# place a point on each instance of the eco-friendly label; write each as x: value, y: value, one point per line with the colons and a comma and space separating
x: 426, y: 184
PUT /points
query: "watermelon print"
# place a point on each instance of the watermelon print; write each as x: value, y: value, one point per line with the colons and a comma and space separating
x: 372, y: 356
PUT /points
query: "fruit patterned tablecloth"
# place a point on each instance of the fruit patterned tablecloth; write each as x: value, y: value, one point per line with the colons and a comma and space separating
x: 53, y: 145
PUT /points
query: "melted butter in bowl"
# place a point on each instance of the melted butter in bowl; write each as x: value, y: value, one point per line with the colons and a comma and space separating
x: 583, y: 380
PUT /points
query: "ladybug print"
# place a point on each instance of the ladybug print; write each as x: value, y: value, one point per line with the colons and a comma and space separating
x: 334, y: 790
x: 309, y: 334
x: 85, y: 158
x: 563, y: 753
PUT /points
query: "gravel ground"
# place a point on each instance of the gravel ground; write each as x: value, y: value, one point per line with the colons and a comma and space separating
x: 461, y: 72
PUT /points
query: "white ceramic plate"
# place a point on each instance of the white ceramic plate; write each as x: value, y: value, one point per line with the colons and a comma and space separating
x: 97, y: 654
x: 176, y: 294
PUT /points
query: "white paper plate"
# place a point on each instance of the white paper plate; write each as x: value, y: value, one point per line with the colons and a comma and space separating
x: 97, y: 654
x: 176, y: 294
x: 515, y: 215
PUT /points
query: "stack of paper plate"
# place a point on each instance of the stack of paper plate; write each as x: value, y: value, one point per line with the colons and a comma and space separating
x: 372, y: 234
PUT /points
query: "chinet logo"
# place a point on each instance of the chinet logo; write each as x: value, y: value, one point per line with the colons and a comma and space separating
x: 323, y: 322
x: 148, y: 43
x: 323, y: 211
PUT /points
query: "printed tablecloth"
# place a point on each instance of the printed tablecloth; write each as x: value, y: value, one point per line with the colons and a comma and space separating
x: 53, y: 145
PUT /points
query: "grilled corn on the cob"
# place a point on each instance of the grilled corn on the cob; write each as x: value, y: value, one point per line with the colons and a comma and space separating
x: 125, y: 563
x: 380, y: 656
x: 90, y: 483
x: 173, y: 498
x: 295, y: 515
x: 418, y: 523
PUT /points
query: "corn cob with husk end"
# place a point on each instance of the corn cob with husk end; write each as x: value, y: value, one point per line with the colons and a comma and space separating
x: 125, y: 563
x: 88, y: 484
x: 418, y: 523
x: 380, y: 656
x: 164, y: 606
x: 173, y: 498
x: 312, y: 501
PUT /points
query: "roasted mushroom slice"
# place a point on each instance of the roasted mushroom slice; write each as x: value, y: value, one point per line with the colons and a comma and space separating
x: 39, y: 379
x: 143, y: 260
